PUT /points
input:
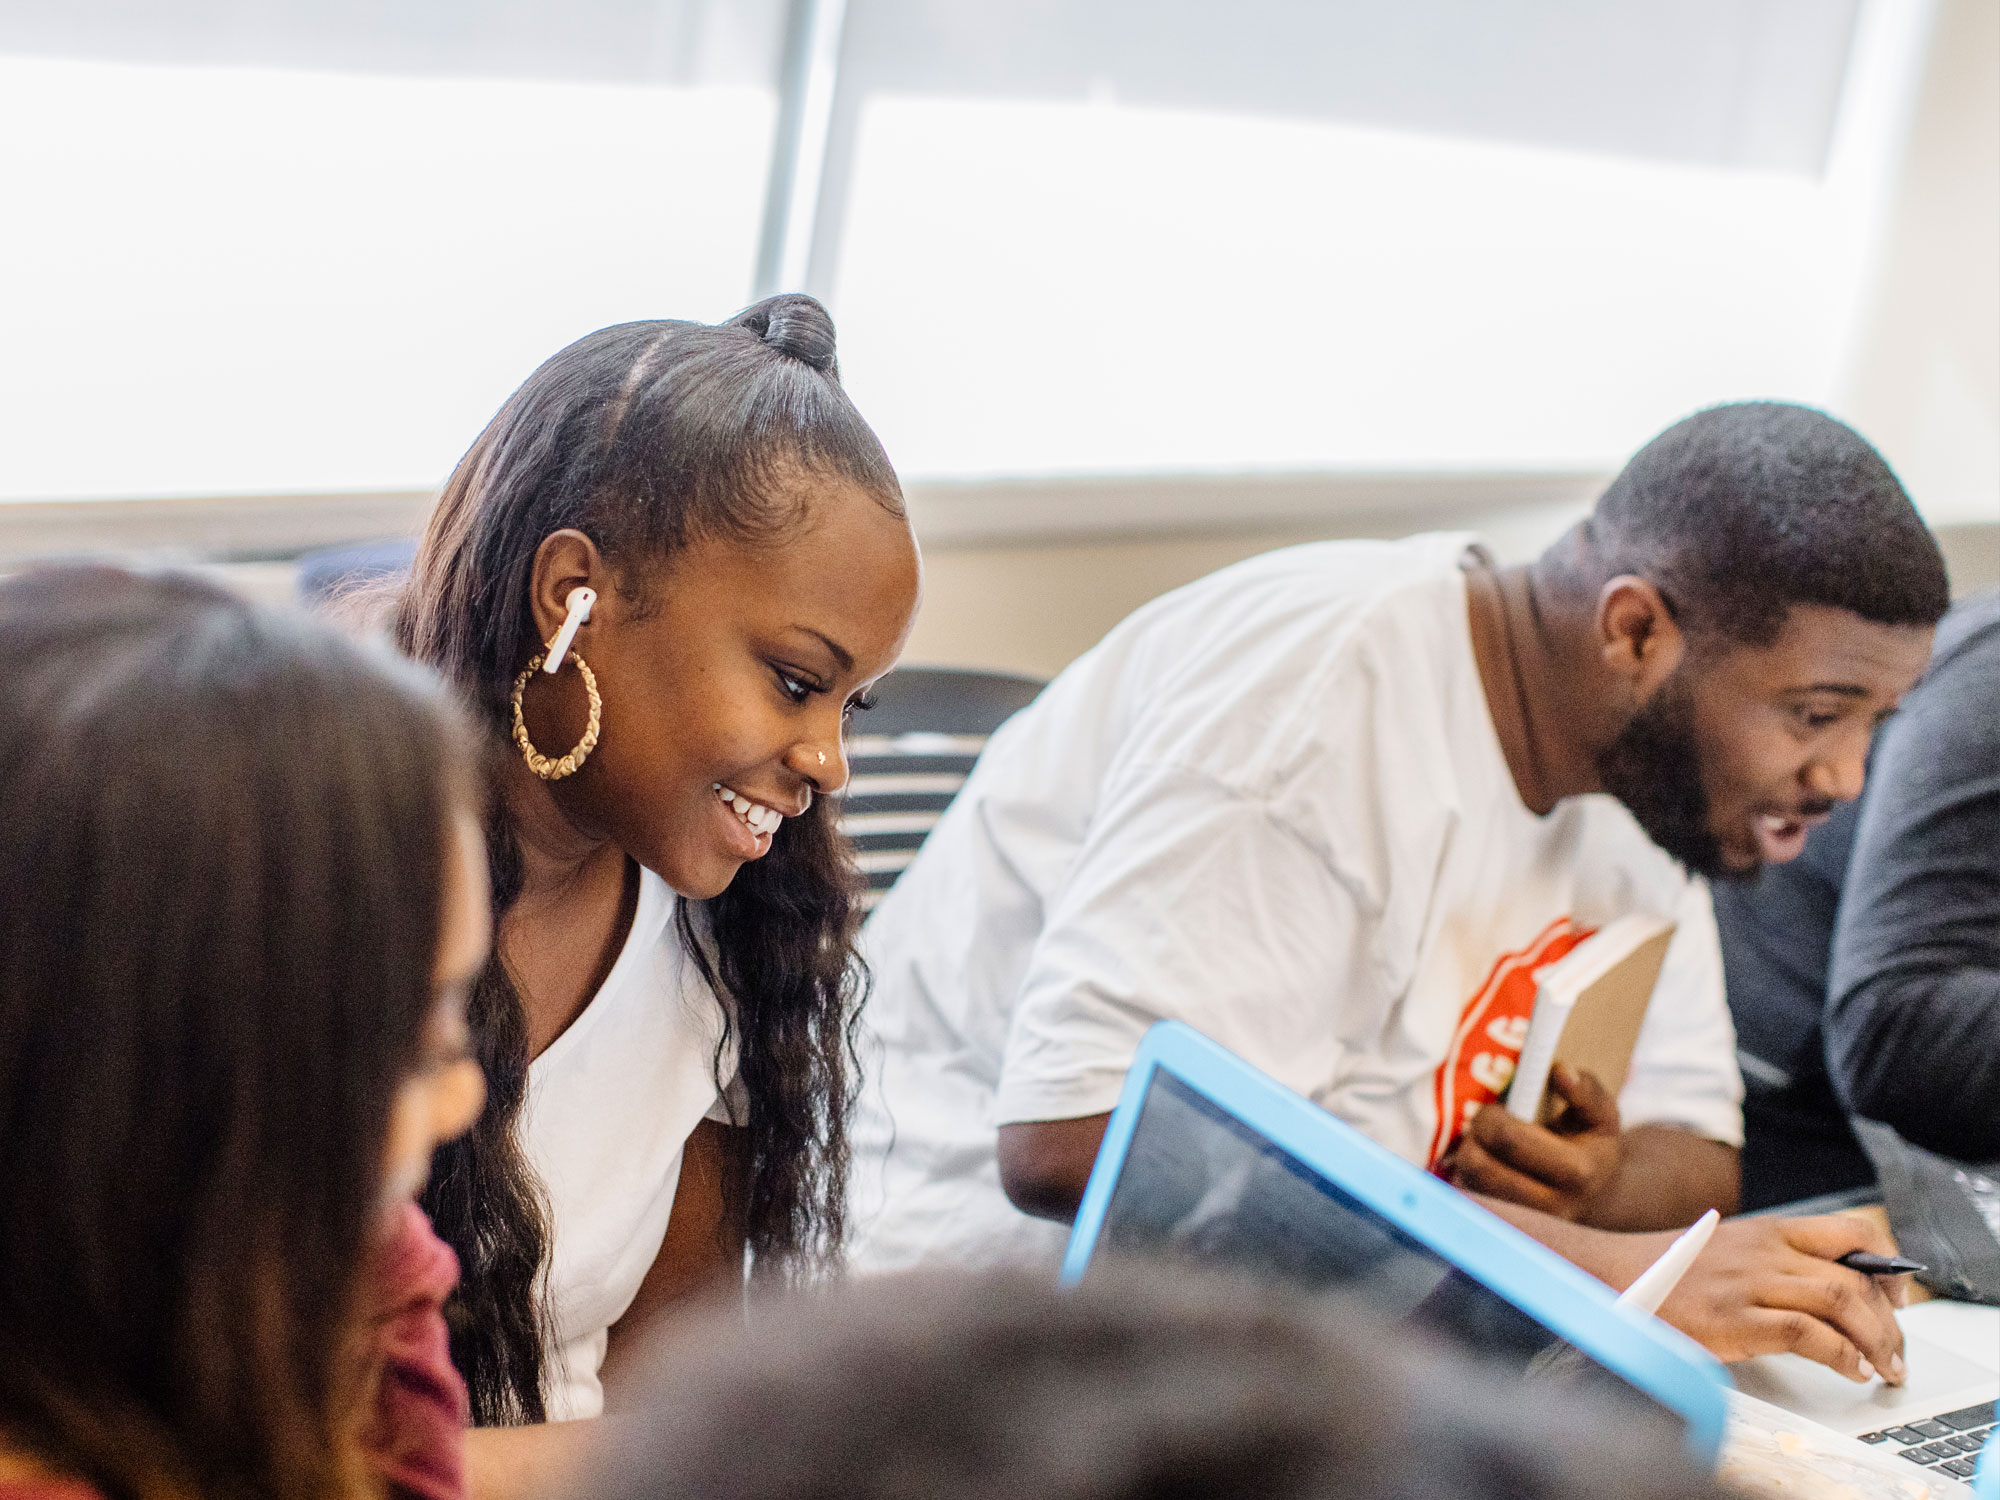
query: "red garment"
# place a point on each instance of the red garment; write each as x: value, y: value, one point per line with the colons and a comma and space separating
x: 415, y: 1438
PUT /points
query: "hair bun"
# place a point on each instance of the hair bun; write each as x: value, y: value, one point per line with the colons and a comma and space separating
x: 794, y: 324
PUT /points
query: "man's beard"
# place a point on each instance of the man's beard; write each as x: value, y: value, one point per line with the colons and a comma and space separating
x: 1654, y: 768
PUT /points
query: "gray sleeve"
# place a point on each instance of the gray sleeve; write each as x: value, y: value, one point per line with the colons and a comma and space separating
x: 1913, y: 1014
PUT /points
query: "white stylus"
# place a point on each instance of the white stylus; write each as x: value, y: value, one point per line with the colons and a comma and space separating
x: 1664, y: 1274
x: 579, y: 602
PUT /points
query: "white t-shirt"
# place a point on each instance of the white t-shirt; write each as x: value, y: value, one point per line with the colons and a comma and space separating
x: 1271, y: 804
x: 610, y: 1105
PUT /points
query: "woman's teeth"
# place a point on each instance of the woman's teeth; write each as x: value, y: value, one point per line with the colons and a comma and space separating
x: 755, y: 815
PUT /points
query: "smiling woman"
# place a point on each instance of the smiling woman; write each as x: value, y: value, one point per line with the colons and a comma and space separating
x: 666, y: 1021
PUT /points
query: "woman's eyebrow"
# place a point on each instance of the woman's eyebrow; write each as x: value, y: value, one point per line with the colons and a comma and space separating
x: 840, y: 652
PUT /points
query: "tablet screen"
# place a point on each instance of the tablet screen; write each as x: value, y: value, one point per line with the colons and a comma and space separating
x: 1196, y: 1182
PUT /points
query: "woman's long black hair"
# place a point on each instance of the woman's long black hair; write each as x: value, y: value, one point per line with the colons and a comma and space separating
x: 643, y: 437
x: 221, y: 889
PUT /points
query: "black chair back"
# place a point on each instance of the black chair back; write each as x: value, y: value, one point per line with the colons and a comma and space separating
x: 911, y: 753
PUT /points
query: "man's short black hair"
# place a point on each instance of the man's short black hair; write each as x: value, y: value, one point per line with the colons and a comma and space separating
x: 1740, y: 512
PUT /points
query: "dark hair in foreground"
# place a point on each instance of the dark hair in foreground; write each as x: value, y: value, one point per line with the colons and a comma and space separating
x: 644, y: 437
x: 1150, y: 1384
x: 220, y: 895
x: 1740, y: 512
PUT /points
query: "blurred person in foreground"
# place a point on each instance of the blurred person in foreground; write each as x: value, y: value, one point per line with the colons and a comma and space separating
x: 1335, y: 806
x: 1142, y: 1384
x: 242, y: 895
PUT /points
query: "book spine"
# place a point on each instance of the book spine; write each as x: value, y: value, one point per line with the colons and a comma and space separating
x: 1538, y: 1053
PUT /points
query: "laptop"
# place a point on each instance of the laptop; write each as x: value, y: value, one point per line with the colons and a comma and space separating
x: 1939, y: 1418
x: 1209, y: 1159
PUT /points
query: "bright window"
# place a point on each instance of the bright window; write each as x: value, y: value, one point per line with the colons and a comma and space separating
x: 1102, y: 236
x: 1438, y: 235
x: 231, y: 280
x: 1049, y: 288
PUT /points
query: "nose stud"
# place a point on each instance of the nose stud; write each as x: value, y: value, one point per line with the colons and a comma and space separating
x: 822, y: 757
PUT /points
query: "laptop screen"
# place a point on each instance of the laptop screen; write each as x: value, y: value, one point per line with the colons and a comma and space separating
x: 1197, y: 1182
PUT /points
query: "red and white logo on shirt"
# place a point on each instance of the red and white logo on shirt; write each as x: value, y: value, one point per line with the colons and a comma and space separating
x: 1487, y: 1042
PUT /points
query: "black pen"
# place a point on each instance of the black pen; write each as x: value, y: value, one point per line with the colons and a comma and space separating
x: 1881, y: 1265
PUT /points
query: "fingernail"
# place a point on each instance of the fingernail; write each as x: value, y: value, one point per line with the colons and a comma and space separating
x: 1896, y: 1368
x: 1867, y: 1370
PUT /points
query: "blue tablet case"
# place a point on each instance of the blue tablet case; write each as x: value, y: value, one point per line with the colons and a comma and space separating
x: 1640, y: 1350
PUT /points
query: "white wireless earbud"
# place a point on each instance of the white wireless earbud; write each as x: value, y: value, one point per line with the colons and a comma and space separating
x: 578, y: 604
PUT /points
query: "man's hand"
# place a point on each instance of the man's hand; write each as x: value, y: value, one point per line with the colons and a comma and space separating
x: 1559, y: 1170
x: 1760, y: 1286
x: 1765, y: 1286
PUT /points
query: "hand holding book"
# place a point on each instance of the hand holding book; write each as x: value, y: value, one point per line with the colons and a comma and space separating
x: 1559, y: 1168
x: 1589, y: 1006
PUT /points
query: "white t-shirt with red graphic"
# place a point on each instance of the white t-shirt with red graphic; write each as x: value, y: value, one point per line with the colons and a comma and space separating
x: 1272, y: 805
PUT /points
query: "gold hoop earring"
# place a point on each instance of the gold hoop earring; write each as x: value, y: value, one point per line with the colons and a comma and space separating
x: 540, y: 764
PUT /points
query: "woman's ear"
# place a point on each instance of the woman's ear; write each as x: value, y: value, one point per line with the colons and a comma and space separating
x: 1638, y: 639
x: 567, y: 560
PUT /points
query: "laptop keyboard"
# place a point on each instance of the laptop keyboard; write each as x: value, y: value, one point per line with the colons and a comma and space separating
x: 1949, y: 1442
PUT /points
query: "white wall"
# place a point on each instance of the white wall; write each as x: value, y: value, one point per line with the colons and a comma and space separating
x: 1032, y: 607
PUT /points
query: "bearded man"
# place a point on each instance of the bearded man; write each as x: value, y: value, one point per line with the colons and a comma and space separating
x: 1335, y: 805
